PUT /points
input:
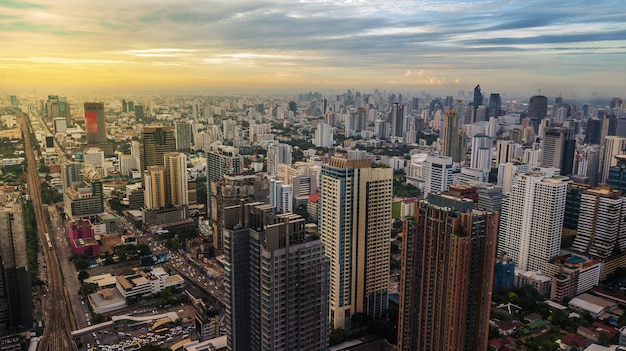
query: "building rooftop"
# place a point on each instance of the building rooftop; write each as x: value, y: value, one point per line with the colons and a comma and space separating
x: 591, y: 303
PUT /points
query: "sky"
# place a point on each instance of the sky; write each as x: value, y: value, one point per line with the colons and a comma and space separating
x: 567, y: 47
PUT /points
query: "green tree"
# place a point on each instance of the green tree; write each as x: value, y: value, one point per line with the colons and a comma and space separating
x: 143, y: 250
x: 82, y: 275
x: 336, y: 336
x: 87, y: 289
x: 97, y: 318
x: 604, y: 338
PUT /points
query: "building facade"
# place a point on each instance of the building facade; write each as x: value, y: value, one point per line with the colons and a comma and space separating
x: 447, y: 276
x: 16, y: 311
x: 355, y: 214
x: 155, y: 142
x: 276, y: 282
x: 531, y: 220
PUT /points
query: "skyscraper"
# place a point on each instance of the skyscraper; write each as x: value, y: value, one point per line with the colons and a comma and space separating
x: 397, y: 120
x: 451, y: 143
x: 531, y: 220
x: 593, y: 132
x: 355, y: 207
x: 57, y: 106
x: 176, y: 172
x: 495, y: 105
x: 16, y: 311
x: 229, y: 191
x: 601, y: 231
x: 276, y: 282
x: 559, y: 146
x: 139, y: 112
x: 155, y: 142
x: 184, y: 136
x: 95, y: 123
x: 538, y: 106
x: 447, y: 275
x: 478, y: 100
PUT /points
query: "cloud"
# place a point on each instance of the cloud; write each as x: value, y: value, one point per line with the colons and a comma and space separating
x: 342, y: 40
x: 422, y: 77
x: 20, y: 4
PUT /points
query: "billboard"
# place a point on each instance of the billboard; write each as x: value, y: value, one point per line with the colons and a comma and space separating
x: 91, y: 122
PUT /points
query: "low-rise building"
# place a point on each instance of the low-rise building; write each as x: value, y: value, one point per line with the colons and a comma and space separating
x: 572, y: 275
x: 595, y: 305
x: 538, y: 280
x: 147, y: 283
x: 82, y: 238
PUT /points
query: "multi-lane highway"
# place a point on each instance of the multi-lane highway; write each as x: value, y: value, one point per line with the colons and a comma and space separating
x: 56, y: 335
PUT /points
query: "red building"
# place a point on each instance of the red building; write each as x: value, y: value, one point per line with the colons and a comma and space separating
x: 81, y: 233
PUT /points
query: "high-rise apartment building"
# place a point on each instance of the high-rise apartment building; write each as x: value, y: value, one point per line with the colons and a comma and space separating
x: 176, y: 172
x: 230, y: 191
x: 531, y: 220
x: 481, y: 152
x: 612, y: 146
x: 281, y: 196
x: 447, y: 274
x: 95, y: 123
x: 506, y: 151
x: 155, y: 188
x: 184, y: 136
x: 155, y: 142
x: 224, y: 160
x: 16, y: 307
x: 323, y: 136
x: 355, y: 207
x: 601, y: 230
x: 276, y: 282
x: 559, y: 146
x: 277, y: 154
x: 437, y: 174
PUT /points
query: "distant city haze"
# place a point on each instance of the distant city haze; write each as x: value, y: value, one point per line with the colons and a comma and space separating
x: 572, y: 49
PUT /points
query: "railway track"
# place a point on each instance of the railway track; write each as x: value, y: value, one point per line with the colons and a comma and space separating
x: 56, y: 335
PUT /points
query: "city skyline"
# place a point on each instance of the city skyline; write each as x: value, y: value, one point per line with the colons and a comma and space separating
x: 574, y: 49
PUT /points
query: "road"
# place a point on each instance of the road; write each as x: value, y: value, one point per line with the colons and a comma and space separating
x: 61, y: 241
x: 56, y: 334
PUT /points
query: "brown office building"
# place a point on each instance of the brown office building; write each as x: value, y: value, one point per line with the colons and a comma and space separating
x: 447, y: 274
